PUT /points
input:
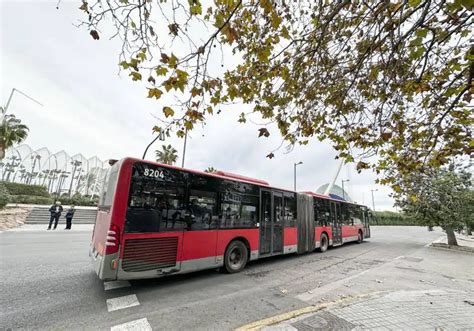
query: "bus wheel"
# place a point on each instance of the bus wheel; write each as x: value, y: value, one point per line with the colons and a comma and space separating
x: 324, y: 243
x: 236, y: 257
x: 360, y: 237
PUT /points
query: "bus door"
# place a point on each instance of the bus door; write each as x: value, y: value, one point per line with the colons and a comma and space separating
x: 271, y: 224
x: 336, y: 220
x: 366, y: 224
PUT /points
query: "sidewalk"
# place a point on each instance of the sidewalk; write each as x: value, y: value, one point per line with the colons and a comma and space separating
x: 398, y: 310
x: 428, y: 289
x: 42, y: 228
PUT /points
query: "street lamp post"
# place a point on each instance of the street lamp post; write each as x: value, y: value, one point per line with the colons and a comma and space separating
x: 4, y: 111
x: 373, y: 201
x: 294, y: 173
x: 184, y: 147
x: 161, y: 136
x: 75, y: 164
x: 343, y: 193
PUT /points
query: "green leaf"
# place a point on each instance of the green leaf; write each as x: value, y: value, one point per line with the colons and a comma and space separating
x: 421, y: 33
x: 468, y: 4
x: 173, y: 61
x: 414, y: 3
x: 161, y: 71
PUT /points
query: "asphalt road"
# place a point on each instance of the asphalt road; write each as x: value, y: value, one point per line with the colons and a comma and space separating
x: 48, y: 282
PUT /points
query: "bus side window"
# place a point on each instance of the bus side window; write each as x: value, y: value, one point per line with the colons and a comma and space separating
x: 238, y: 211
x: 321, y: 212
x: 202, y: 210
x: 345, y: 216
x: 289, y: 211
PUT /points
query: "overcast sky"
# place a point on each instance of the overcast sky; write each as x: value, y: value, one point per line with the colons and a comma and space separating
x: 92, y: 109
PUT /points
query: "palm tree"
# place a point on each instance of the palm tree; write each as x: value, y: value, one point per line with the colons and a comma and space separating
x: 11, y: 132
x: 167, y: 155
x: 210, y: 170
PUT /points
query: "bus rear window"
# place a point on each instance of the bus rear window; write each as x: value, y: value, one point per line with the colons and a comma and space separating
x: 108, y: 188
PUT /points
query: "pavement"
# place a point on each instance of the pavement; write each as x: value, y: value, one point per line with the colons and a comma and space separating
x: 390, y: 279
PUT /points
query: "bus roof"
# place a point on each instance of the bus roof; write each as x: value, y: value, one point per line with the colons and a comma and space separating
x: 218, y: 174
x: 237, y: 177
x: 323, y: 196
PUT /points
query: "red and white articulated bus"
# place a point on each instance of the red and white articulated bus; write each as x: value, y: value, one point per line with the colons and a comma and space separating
x: 156, y: 220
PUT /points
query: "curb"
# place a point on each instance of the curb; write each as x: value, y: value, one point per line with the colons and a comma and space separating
x: 454, y: 248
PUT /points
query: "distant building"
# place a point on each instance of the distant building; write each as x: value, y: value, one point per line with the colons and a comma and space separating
x: 335, y: 193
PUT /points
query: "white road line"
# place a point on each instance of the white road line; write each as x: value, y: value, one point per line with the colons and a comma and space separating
x: 122, y: 302
x: 137, y: 325
x: 116, y: 284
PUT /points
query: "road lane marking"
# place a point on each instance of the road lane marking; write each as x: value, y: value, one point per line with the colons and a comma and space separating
x: 116, y: 284
x: 137, y: 325
x: 126, y: 301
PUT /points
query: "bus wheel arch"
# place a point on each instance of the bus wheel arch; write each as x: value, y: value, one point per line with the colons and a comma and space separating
x: 360, y: 236
x: 236, y: 255
x: 324, y: 242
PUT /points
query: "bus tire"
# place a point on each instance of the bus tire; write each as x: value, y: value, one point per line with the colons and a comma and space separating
x: 360, y: 237
x: 324, y: 243
x: 236, y: 257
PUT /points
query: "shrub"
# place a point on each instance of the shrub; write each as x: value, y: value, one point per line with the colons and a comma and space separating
x: 4, y: 195
x: 31, y: 199
x: 393, y: 218
x: 77, y: 200
x: 24, y: 189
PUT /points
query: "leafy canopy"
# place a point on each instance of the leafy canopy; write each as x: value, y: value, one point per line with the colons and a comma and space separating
x: 392, y: 79
x: 12, y: 131
x: 442, y: 197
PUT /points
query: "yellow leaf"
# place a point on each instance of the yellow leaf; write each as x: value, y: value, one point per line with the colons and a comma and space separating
x: 168, y: 111
x: 154, y: 92
x: 135, y: 76
x: 276, y: 20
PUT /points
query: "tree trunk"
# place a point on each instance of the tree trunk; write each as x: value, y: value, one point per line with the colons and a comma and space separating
x: 451, y: 237
x: 2, y: 152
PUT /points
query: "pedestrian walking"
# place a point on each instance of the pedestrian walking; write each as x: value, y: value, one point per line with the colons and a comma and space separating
x: 55, y: 211
x: 69, y: 215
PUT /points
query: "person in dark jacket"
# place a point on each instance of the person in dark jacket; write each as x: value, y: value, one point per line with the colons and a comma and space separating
x: 69, y: 215
x: 55, y: 211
